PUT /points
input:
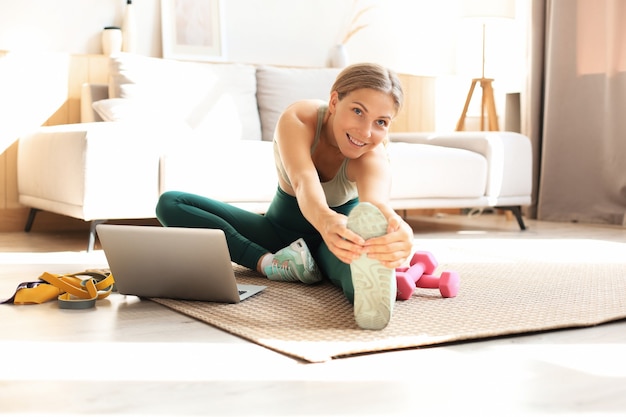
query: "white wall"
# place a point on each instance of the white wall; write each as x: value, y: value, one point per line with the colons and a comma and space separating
x: 403, y: 33
x: 410, y: 36
x: 73, y: 26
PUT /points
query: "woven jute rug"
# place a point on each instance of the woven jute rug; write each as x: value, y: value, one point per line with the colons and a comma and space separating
x: 498, y: 297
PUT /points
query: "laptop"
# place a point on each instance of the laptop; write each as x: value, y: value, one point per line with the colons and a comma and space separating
x: 171, y: 262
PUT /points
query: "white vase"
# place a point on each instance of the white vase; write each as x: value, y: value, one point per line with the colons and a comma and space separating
x: 129, y: 28
x: 338, y: 56
x: 111, y: 40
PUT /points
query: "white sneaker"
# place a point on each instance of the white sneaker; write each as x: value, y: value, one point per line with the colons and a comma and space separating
x: 294, y: 263
x: 374, y: 284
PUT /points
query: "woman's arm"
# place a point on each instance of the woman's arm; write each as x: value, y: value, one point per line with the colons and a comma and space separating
x: 294, y: 135
x: 372, y: 174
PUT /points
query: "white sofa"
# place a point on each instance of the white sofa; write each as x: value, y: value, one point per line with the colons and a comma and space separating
x: 207, y: 128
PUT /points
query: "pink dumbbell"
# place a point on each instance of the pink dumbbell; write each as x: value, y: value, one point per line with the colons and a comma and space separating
x: 448, y: 283
x: 406, y: 278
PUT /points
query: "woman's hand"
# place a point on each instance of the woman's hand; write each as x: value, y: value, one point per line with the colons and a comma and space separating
x: 341, y: 241
x: 391, y: 250
x: 395, y: 247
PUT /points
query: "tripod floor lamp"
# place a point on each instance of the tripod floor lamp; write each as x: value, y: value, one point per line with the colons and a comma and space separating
x: 483, y: 11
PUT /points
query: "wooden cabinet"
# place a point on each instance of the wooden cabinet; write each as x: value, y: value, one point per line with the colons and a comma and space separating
x: 418, y: 112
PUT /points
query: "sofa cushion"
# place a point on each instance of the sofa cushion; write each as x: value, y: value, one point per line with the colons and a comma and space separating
x: 218, y: 101
x: 126, y: 109
x: 450, y: 172
x: 278, y: 87
x: 234, y: 172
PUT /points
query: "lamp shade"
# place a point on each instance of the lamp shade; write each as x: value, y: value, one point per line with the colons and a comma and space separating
x: 488, y: 9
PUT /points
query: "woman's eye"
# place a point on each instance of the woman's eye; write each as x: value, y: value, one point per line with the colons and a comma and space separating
x: 381, y: 123
x: 358, y: 112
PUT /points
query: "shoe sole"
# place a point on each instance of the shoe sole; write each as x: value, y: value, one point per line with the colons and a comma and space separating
x: 374, y: 284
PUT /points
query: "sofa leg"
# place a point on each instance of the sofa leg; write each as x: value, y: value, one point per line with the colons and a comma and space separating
x: 92, y: 234
x: 31, y: 218
x: 517, y: 212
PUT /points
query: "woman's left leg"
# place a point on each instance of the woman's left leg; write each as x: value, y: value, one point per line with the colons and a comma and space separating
x: 249, y: 235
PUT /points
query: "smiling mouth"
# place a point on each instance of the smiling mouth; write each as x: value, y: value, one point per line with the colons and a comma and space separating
x: 355, y: 142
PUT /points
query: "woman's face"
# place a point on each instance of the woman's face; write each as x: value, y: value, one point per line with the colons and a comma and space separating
x: 361, y: 120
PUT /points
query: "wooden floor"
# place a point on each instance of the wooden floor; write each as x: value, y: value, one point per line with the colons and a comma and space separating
x: 131, y: 357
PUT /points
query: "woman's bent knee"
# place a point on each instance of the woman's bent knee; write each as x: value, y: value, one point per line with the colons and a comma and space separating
x: 167, y: 201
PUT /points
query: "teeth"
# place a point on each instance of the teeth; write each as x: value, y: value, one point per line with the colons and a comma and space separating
x: 356, y: 142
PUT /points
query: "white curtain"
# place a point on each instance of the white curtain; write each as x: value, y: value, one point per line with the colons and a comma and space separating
x: 576, y: 110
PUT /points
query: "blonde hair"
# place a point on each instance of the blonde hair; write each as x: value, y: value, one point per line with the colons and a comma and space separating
x: 368, y: 75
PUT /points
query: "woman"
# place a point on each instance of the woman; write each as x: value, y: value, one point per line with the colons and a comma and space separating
x: 331, y: 215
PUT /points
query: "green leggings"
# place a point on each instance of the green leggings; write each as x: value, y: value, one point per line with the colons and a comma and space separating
x: 252, y: 235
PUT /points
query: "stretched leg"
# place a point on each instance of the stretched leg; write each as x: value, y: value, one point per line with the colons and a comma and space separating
x: 369, y: 286
x: 374, y: 284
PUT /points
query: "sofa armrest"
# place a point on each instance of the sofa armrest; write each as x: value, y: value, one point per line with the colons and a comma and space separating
x: 508, y: 155
x: 99, y: 170
x: 89, y: 94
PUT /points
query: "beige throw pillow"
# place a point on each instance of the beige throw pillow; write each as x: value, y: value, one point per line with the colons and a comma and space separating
x: 218, y: 101
x: 278, y: 87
